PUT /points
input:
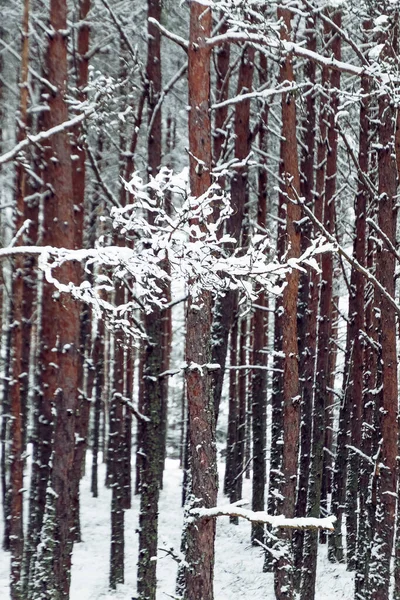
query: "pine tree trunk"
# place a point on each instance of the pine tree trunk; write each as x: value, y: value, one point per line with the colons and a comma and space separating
x: 260, y: 338
x: 226, y: 305
x: 388, y: 410
x: 115, y: 455
x: 284, y: 576
x: 197, y: 577
x: 79, y: 182
x: 324, y: 337
x: 356, y: 327
x: 60, y: 320
x: 369, y: 447
x: 231, y: 441
x: 308, y: 299
x: 153, y: 432
x: 98, y: 365
x: 16, y: 385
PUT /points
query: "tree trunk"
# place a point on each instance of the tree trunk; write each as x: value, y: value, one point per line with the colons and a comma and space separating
x: 284, y: 580
x: 324, y: 336
x: 260, y: 333
x: 388, y: 411
x: 308, y: 294
x: 60, y: 326
x: 79, y: 181
x: 196, y: 579
x: 98, y: 365
x: 356, y: 328
x: 226, y: 305
x: 16, y: 385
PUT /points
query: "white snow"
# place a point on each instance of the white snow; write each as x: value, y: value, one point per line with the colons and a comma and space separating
x: 238, y: 570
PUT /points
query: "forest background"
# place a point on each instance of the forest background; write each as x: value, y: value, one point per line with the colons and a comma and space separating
x: 190, y: 195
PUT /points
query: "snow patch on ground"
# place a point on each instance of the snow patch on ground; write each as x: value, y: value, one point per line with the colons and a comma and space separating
x: 238, y: 570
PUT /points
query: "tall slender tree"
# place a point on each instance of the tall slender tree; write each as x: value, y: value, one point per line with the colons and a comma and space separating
x: 284, y: 575
x: 196, y: 577
x: 17, y: 425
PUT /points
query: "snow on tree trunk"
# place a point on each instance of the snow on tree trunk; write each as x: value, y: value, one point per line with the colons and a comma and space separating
x: 60, y: 316
x: 284, y: 576
x: 196, y: 577
x: 324, y: 334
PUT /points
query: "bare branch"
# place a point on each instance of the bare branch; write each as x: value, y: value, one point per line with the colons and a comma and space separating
x: 139, y: 416
x: 262, y: 94
x: 114, y: 201
x: 165, y: 91
x: 184, y: 44
x: 297, y: 49
x: 121, y: 30
x: 32, y: 71
x: 350, y: 259
x: 321, y: 15
x: 384, y: 237
x: 43, y: 135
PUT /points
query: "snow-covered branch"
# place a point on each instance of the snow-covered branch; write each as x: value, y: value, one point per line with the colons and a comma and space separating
x: 180, y: 41
x: 262, y: 94
x: 261, y: 516
x: 348, y: 257
x: 44, y: 135
x: 190, y: 238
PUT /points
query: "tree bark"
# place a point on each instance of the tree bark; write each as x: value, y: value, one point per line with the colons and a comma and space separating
x: 284, y: 580
x: 60, y: 324
x: 197, y: 578
x: 308, y: 292
x: 388, y: 411
x: 17, y: 384
x: 324, y: 333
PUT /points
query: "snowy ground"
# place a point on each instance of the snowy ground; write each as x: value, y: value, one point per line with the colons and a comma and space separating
x: 238, y: 573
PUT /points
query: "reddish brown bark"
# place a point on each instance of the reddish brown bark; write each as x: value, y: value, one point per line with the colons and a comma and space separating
x: 17, y: 425
x: 79, y: 181
x: 308, y: 293
x: 260, y: 337
x: 156, y: 356
x: 366, y: 361
x: 284, y: 584
x: 222, y: 91
x: 322, y: 375
x: 356, y: 326
x: 199, y: 537
x: 60, y: 325
x: 227, y: 305
x: 388, y: 411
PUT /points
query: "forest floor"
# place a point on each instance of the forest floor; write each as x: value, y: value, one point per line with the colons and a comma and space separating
x: 238, y: 571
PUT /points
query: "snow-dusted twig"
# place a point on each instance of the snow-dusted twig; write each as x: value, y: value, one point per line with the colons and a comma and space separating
x: 44, y: 135
x: 261, y: 94
x: 320, y: 12
x: 360, y: 453
x: 384, y: 237
x: 139, y: 416
x: 32, y: 71
x: 164, y: 92
x: 93, y: 162
x: 184, y: 44
x: 299, y: 50
x: 171, y: 552
x: 248, y: 367
x: 24, y: 227
x: 261, y: 516
x: 348, y: 257
x: 121, y: 30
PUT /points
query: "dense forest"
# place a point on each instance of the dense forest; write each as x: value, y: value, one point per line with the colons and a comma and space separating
x: 199, y: 261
